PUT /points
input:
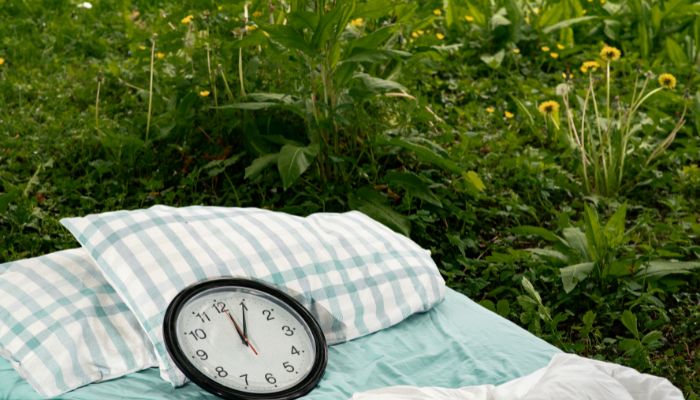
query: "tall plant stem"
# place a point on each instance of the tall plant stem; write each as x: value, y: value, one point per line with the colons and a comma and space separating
x: 150, y: 89
x: 97, y: 104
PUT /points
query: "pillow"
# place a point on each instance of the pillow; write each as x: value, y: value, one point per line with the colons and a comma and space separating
x: 364, y: 275
x: 62, y: 325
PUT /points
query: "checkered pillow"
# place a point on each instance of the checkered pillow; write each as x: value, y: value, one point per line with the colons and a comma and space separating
x: 62, y: 326
x: 363, y: 274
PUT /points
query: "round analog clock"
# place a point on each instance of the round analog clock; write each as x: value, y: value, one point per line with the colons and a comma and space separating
x: 243, y: 339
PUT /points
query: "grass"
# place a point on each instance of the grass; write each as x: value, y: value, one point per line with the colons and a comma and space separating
x: 417, y: 115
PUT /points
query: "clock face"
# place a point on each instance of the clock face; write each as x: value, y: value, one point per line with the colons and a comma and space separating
x: 243, y: 339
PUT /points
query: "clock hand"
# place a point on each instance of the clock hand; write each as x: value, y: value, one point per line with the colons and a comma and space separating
x: 240, y: 333
x: 243, y: 310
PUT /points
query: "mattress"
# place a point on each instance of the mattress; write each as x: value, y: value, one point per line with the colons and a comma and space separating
x: 457, y: 343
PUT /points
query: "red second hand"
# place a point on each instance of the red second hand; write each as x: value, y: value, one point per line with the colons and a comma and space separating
x: 238, y: 329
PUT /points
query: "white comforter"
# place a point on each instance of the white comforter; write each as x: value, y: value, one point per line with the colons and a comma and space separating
x: 567, y: 376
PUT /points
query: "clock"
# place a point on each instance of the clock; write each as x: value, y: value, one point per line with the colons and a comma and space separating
x: 244, y: 339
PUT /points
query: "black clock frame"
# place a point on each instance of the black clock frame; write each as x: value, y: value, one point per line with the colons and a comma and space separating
x: 208, y: 384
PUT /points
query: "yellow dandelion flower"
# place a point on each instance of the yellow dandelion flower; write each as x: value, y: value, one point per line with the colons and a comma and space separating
x: 251, y: 28
x: 490, y: 110
x: 667, y: 81
x: 567, y: 75
x: 560, y: 46
x: 548, y: 107
x: 609, y: 53
x: 257, y: 14
x: 589, y: 66
x: 554, y: 55
x: 160, y: 55
x: 187, y: 19
x: 437, y: 12
x: 545, y: 48
x: 602, y: 2
x: 508, y: 115
x: 420, y: 32
x: 439, y: 36
x: 204, y: 93
x: 469, y: 18
x: 357, y: 22
x: 516, y: 50
x: 2, y: 61
x: 414, y: 35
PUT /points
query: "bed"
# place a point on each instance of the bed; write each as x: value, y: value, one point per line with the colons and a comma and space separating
x: 457, y: 343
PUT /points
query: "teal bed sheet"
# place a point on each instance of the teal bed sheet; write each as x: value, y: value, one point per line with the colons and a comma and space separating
x: 457, y: 343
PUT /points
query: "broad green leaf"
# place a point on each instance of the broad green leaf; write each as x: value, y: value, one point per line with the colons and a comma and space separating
x: 488, y: 304
x: 414, y: 186
x: 289, y: 38
x: 493, y: 60
x: 7, y: 198
x: 530, y: 290
x: 549, y: 253
x: 474, y: 180
x: 576, y: 240
x: 568, y: 23
x: 260, y: 164
x: 661, y: 268
x: 629, y: 320
x: 423, y: 153
x: 451, y: 12
x: 376, y: 39
x: 615, y: 227
x: 573, y: 274
x: 332, y: 23
x: 293, y: 161
x: 545, y: 234
x: 499, y: 19
x: 376, y: 85
x: 594, y: 234
x: 503, y: 308
x: 675, y: 53
x: 374, y: 55
x: 216, y: 167
x: 373, y: 204
x: 652, y: 337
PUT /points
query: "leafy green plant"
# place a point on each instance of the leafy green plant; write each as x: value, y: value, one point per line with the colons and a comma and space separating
x: 604, y: 133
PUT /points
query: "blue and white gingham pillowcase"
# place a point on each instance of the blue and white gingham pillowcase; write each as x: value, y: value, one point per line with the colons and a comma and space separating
x: 364, y: 275
x: 62, y: 325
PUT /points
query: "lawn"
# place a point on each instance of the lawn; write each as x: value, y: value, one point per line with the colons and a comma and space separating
x: 546, y: 152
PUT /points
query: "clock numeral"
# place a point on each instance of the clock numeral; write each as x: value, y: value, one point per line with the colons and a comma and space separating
x: 268, y: 315
x: 288, y: 367
x: 197, y: 334
x: 287, y: 330
x: 295, y: 351
x: 220, y: 307
x: 270, y: 378
x: 202, y: 355
x: 245, y: 377
x: 203, y: 317
x: 221, y: 372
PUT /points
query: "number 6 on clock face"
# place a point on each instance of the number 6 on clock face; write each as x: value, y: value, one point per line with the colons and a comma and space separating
x: 243, y: 339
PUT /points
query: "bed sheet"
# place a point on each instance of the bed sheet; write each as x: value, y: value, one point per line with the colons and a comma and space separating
x: 457, y: 343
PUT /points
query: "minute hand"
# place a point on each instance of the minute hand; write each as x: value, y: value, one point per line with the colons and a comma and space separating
x: 243, y: 310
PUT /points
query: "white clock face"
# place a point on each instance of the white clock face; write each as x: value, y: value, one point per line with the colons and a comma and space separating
x: 245, y: 339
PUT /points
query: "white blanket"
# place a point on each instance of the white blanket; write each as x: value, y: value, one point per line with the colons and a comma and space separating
x: 567, y: 376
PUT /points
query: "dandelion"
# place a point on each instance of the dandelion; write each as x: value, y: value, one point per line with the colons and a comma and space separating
x: 420, y: 32
x: 667, y: 81
x: 554, y: 55
x: 357, y: 22
x: 490, y: 109
x: 548, y: 107
x: 589, y: 66
x: 567, y: 75
x: 187, y: 19
x: 257, y: 14
x: 251, y: 28
x: 545, y: 48
x: 439, y: 36
x: 560, y: 46
x: 609, y: 53
x: 469, y: 18
x: 508, y: 115
x: 204, y: 93
x: 516, y: 50
x: 414, y: 35
x: 437, y: 12
x: 2, y: 61
x: 160, y: 55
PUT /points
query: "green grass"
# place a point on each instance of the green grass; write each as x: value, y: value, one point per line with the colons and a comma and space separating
x: 392, y: 120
